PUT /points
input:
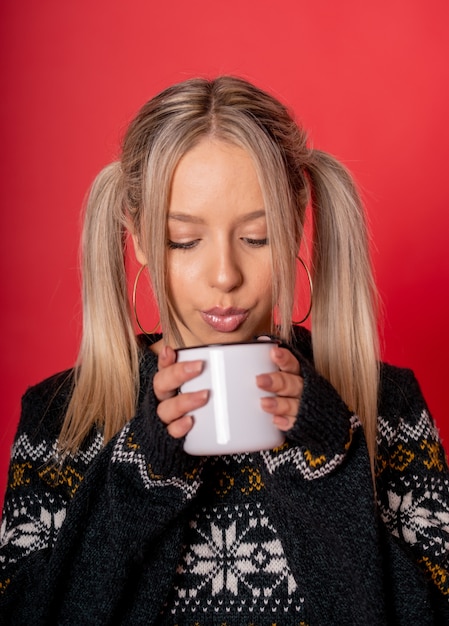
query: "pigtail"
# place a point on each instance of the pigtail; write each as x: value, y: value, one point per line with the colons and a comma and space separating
x: 107, y: 370
x: 345, y: 339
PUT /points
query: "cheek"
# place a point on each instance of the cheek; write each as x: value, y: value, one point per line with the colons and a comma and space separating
x: 182, y: 278
x: 263, y: 285
x: 182, y: 269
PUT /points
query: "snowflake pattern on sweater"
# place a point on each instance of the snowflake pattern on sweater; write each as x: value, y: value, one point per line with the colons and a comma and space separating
x: 39, y: 493
x: 233, y: 561
x: 414, y: 505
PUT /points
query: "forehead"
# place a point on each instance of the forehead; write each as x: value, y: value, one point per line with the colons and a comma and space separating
x: 215, y: 173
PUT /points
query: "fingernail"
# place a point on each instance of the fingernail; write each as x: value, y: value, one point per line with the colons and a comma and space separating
x: 264, y: 380
x: 193, y: 367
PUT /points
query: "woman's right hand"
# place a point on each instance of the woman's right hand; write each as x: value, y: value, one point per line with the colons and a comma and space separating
x: 174, y: 408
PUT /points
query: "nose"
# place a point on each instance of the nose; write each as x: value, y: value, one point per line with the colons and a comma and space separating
x: 225, y: 271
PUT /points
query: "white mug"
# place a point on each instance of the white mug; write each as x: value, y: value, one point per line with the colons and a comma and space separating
x: 232, y: 421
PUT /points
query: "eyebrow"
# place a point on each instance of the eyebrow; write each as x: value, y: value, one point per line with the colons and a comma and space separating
x: 193, y: 219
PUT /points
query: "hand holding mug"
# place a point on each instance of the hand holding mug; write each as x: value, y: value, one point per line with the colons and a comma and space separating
x: 227, y: 390
x: 286, y: 384
x: 174, y: 409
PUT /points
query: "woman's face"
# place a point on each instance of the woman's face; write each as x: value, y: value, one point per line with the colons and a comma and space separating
x: 218, y: 259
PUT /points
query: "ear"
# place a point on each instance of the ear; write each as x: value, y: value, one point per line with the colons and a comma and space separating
x: 140, y: 256
x: 138, y: 252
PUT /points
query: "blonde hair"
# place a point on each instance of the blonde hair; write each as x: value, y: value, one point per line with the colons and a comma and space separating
x: 291, y: 175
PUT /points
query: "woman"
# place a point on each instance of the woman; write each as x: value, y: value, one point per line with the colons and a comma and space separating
x: 107, y: 519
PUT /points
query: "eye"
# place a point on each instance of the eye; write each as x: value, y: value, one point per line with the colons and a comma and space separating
x: 256, y: 243
x: 185, y: 245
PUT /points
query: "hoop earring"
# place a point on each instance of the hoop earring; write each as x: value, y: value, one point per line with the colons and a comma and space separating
x: 309, y: 278
x: 142, y: 267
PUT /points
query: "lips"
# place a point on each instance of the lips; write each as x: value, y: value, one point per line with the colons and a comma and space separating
x: 225, y: 320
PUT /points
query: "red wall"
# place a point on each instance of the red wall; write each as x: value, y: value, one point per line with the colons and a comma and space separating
x: 369, y: 79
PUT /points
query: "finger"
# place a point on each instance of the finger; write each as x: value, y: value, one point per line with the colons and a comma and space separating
x: 281, y: 383
x: 284, y: 422
x: 177, y: 406
x: 285, y: 360
x: 282, y: 407
x: 168, y: 380
x: 180, y: 427
x: 167, y: 356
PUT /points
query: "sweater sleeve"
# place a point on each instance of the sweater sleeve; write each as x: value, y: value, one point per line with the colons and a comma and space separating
x: 322, y: 497
x: 413, y: 476
x: 322, y: 500
x: 81, y: 541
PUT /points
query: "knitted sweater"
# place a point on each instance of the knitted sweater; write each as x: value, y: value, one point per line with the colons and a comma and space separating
x: 138, y: 532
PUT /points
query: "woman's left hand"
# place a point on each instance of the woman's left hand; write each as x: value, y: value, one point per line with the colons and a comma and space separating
x: 287, y: 385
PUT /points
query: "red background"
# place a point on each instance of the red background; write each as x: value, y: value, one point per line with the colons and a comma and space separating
x: 369, y: 79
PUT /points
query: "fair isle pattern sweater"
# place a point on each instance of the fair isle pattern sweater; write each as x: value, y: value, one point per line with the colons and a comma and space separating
x: 233, y: 563
x: 138, y: 532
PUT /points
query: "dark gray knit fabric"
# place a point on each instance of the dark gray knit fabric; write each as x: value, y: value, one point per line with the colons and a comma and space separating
x: 138, y: 532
